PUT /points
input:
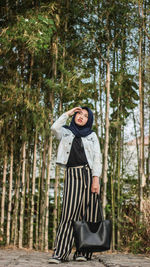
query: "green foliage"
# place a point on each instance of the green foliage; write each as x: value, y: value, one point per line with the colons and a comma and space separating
x: 34, y: 32
x: 125, y: 89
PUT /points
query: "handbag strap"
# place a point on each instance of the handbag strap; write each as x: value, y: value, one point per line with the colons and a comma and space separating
x: 97, y: 199
x: 99, y: 207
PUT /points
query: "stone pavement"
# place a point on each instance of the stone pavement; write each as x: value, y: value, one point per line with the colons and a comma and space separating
x: 124, y: 260
x: 29, y: 258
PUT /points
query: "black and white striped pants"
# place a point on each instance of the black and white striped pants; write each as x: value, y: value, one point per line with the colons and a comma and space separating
x: 77, y: 192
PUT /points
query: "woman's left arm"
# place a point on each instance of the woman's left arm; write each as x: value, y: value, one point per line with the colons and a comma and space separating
x: 97, y: 166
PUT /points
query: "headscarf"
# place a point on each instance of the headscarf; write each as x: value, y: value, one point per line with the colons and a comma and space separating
x: 81, y: 131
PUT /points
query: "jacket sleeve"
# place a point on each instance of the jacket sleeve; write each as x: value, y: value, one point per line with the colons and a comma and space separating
x: 57, y: 127
x: 97, y: 161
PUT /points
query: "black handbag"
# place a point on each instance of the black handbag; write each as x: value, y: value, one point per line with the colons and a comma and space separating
x: 92, y: 236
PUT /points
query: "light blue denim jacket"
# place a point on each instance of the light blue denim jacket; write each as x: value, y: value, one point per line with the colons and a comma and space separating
x: 90, y: 143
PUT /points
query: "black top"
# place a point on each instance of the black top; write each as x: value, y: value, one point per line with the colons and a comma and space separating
x: 77, y: 155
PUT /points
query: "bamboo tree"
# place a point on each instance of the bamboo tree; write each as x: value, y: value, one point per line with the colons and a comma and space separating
x: 148, y: 178
x: 10, y: 194
x: 62, y: 78
x: 47, y: 186
x: 42, y: 198
x: 106, y: 136
x: 3, y: 193
x: 14, y: 236
x: 137, y: 147
x: 54, y: 76
x: 33, y: 192
x: 37, y: 194
x: 38, y: 204
x: 142, y: 176
x: 113, y: 171
x: 30, y: 222
x: 101, y: 103
x: 118, y: 173
x: 27, y: 195
x: 47, y: 192
x: 55, y: 203
x: 95, y: 100
x: 22, y: 204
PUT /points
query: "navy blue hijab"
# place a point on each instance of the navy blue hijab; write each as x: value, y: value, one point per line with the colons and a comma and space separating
x: 81, y: 131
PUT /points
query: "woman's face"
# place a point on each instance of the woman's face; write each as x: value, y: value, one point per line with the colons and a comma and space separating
x: 81, y: 117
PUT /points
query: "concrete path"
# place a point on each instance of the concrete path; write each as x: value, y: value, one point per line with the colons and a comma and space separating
x: 29, y: 258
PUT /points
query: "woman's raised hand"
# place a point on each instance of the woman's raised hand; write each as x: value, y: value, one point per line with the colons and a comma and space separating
x: 73, y: 110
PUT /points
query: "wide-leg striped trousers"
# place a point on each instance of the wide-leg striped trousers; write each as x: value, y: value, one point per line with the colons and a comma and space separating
x: 77, y: 193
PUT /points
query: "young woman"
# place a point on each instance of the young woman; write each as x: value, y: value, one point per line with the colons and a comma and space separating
x: 79, y: 152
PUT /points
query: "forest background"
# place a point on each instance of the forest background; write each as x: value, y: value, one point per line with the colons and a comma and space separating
x: 56, y: 55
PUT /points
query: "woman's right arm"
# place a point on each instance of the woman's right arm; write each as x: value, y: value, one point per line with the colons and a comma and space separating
x: 58, y: 124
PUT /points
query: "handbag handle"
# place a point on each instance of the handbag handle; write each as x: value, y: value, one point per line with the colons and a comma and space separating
x: 99, y: 207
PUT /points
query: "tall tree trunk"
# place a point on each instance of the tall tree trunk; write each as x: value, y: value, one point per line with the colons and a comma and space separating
x: 38, y: 204
x: 33, y: 192
x: 14, y: 236
x: 22, y: 204
x: 59, y: 201
x: 142, y: 176
x: 47, y: 192
x: 3, y: 193
x: 113, y: 168
x: 38, y: 186
x: 48, y: 175
x: 137, y: 148
x: 27, y: 195
x: 95, y: 100
x: 55, y: 54
x: 118, y: 166
x: 54, y: 76
x: 31, y: 213
x: 101, y: 110
x: 63, y: 55
x: 106, y: 138
x: 42, y: 199
x: 118, y: 187
x: 10, y: 194
x: 55, y: 203
x: 148, y: 178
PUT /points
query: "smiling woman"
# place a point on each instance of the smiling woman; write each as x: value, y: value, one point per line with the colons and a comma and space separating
x: 79, y: 152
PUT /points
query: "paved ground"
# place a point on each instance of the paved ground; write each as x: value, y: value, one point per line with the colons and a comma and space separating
x: 124, y: 260
x: 28, y: 258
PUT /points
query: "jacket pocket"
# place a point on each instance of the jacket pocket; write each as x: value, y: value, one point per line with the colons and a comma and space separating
x: 66, y: 134
x: 90, y: 140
